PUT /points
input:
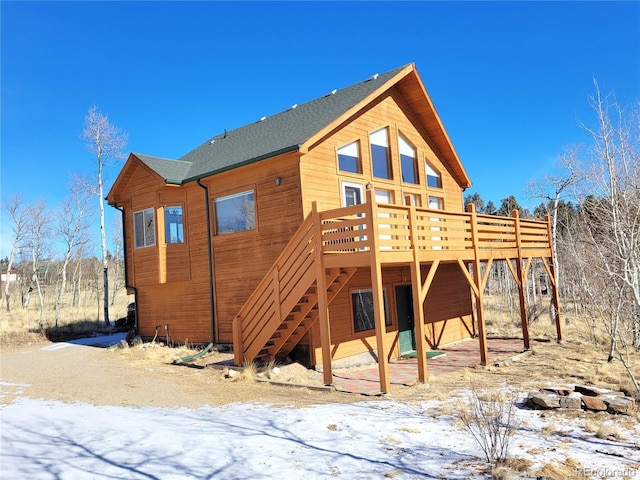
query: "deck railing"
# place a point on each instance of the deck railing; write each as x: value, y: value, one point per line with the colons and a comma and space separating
x: 402, y: 229
x: 346, y: 239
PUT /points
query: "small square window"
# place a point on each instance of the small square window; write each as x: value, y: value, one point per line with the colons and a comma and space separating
x: 363, y: 316
x: 349, y: 158
x: 173, y: 226
x: 235, y: 213
x: 144, y: 228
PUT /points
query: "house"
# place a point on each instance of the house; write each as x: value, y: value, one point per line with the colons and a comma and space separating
x: 320, y: 232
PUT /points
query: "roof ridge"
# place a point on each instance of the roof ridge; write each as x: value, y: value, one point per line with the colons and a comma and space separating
x: 227, y: 132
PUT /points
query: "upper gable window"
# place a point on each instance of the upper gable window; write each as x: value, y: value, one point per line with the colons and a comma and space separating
x: 408, y: 161
x: 349, y: 158
x: 173, y: 226
x: 433, y: 177
x: 144, y: 228
x: 235, y: 213
x: 380, y: 153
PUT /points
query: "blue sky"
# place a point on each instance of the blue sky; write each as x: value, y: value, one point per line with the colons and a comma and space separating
x: 510, y: 80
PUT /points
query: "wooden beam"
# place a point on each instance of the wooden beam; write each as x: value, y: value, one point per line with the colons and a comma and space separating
x: 323, y: 302
x: 549, y: 271
x: 429, y: 280
x: 378, y: 293
x: 522, y: 283
x: 418, y: 297
x: 465, y: 270
x: 514, y: 274
x: 485, y: 277
x: 482, y: 332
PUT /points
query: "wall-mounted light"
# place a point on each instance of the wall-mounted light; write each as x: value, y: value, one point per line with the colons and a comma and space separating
x: 369, y: 186
x: 278, y: 181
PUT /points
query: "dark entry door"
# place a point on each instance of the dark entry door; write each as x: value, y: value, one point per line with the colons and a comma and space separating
x: 404, y: 309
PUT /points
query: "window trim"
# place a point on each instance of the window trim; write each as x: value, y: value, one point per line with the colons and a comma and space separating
x: 167, y: 225
x: 358, y: 158
x: 414, y: 157
x: 359, y: 186
x: 428, y: 165
x: 142, y: 212
x: 229, y: 196
x: 367, y: 332
x: 388, y: 153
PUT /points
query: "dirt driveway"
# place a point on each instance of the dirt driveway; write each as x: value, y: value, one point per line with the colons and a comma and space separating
x: 140, y: 376
x: 134, y: 377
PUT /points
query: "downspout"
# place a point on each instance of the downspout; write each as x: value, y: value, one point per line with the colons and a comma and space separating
x: 126, y: 275
x: 210, y: 256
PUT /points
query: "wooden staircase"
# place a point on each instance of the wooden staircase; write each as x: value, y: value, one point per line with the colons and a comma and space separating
x: 284, y: 305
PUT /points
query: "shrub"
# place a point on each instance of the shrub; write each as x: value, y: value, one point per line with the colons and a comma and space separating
x: 489, y: 419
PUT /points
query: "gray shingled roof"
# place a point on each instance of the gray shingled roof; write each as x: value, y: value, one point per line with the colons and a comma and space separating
x: 172, y: 171
x: 276, y: 134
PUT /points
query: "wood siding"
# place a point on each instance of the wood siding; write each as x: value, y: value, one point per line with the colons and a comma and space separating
x: 321, y: 178
x: 447, y: 312
x: 241, y: 259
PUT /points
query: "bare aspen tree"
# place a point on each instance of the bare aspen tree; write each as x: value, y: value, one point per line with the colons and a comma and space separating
x: 116, y: 235
x: 37, y: 241
x: 71, y: 225
x: 18, y: 213
x: 552, y: 188
x: 107, y: 142
x: 608, y: 188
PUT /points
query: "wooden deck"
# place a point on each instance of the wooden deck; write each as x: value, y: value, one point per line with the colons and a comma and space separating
x: 330, y: 245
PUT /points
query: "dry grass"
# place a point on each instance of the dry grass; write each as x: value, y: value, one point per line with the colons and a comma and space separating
x: 603, y: 427
x: 569, y: 470
x: 21, y: 326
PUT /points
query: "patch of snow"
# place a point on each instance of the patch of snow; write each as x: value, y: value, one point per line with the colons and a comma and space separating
x: 44, y: 439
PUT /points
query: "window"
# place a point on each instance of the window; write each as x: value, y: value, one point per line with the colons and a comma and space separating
x: 412, y: 199
x: 144, y: 228
x: 380, y: 153
x: 362, y: 304
x: 435, y: 203
x: 433, y: 177
x: 235, y: 213
x: 408, y: 161
x: 352, y: 194
x: 349, y: 158
x: 173, y: 226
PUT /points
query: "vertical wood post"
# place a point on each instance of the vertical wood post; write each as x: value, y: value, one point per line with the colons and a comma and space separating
x: 477, y: 277
x: 522, y: 283
x: 378, y: 292
x: 323, y: 302
x: 162, y: 246
x: 554, y: 280
x: 275, y: 282
x: 238, y: 348
x: 418, y: 302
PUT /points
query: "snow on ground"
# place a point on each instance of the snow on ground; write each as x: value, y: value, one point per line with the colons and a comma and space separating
x: 43, y: 439
x: 46, y: 439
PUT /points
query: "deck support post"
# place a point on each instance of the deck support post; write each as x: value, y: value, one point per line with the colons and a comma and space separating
x: 378, y: 293
x: 522, y: 282
x: 323, y: 301
x: 551, y: 269
x: 478, y: 286
x: 418, y: 298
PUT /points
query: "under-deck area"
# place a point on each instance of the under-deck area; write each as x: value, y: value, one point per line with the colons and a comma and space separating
x: 331, y: 245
